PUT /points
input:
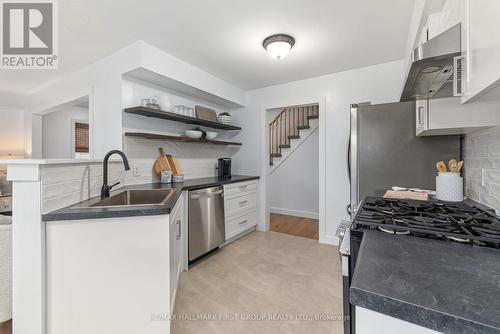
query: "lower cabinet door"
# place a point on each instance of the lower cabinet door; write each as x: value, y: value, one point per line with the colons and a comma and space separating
x: 235, y: 205
x: 172, y: 264
x: 178, y: 249
x: 240, y: 223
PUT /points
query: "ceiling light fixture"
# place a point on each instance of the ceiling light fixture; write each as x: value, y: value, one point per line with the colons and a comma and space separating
x: 278, y: 46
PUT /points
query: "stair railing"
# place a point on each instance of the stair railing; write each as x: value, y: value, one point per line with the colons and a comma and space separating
x: 286, y: 125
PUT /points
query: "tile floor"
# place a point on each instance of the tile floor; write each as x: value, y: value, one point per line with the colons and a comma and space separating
x: 265, y: 274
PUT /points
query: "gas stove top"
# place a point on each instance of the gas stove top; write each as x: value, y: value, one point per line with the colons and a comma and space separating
x: 430, y: 219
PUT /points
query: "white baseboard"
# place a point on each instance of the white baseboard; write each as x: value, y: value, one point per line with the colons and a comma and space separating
x: 329, y: 240
x: 296, y: 213
x: 262, y: 228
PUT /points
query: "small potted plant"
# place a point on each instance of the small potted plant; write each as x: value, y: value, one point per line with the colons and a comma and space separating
x: 224, y: 117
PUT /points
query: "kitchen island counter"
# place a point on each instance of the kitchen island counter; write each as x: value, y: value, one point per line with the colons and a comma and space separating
x: 444, y: 286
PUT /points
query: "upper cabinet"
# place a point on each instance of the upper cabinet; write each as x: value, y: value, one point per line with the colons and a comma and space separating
x: 480, y: 46
x: 477, y: 69
x: 447, y: 116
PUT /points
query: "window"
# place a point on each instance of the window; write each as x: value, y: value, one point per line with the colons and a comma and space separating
x: 81, y: 137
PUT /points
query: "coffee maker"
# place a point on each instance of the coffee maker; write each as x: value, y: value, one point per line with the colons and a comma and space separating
x: 224, y: 168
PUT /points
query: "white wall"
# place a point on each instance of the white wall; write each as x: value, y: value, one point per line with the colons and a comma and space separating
x: 11, y: 131
x: 294, y: 186
x: 378, y: 84
x: 57, y: 137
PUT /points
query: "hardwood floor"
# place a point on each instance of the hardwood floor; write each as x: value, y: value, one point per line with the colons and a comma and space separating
x: 5, y: 327
x: 299, y: 226
x: 263, y: 283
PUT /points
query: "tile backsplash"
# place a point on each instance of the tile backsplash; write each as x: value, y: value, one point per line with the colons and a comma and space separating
x: 482, y: 166
x: 63, y: 185
x: 195, y: 160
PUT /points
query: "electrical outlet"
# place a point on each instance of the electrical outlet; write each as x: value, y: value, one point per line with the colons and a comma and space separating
x: 135, y: 171
x: 483, y: 181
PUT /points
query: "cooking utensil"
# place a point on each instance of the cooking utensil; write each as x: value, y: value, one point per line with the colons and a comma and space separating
x: 161, y: 162
x: 460, y: 164
x: 441, y: 167
x: 174, y: 163
x: 452, y: 165
x: 205, y: 113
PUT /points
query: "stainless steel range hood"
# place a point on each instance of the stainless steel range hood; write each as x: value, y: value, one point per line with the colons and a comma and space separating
x: 432, y: 70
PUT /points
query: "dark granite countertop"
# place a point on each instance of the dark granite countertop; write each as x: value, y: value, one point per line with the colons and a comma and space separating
x: 72, y: 213
x: 445, y: 286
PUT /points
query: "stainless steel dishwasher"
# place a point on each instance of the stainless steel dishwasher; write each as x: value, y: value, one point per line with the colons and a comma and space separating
x: 206, y: 221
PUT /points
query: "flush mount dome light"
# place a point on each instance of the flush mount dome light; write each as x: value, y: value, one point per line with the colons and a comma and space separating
x: 278, y: 46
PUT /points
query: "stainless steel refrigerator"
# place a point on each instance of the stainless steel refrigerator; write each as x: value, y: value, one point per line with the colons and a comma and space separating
x: 384, y: 151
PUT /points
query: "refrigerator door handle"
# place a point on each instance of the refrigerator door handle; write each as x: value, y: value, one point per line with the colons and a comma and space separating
x: 349, y: 158
x: 352, y: 160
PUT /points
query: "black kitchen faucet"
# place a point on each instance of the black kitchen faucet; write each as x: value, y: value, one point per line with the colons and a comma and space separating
x: 105, y: 187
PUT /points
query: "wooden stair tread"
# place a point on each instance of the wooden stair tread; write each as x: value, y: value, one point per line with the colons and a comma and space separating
x: 303, y: 127
x: 313, y: 117
x: 276, y: 155
x: 285, y: 146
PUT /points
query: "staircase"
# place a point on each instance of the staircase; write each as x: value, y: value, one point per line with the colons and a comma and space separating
x: 288, y: 127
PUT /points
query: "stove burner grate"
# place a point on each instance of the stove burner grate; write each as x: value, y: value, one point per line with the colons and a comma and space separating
x: 432, y: 219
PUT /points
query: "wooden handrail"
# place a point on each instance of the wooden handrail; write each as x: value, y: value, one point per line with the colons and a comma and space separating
x: 287, y: 124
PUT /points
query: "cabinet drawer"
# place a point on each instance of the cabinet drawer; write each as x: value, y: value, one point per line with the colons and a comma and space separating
x: 240, y: 187
x: 240, y: 204
x: 240, y: 223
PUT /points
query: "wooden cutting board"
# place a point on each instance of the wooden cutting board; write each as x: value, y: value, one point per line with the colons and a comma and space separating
x: 174, y: 165
x: 161, y: 162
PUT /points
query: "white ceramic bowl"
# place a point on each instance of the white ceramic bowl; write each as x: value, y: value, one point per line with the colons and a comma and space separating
x: 211, y: 135
x: 193, y: 134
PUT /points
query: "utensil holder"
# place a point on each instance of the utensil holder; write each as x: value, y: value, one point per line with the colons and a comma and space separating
x: 449, y: 187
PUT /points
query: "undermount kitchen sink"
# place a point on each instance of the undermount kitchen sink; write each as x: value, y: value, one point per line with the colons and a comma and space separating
x: 130, y: 198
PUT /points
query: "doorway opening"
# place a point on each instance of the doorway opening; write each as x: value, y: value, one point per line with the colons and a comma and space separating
x: 63, y: 131
x: 293, y: 171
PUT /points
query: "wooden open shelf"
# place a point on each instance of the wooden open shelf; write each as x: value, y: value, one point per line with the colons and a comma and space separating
x: 179, y: 138
x: 148, y: 112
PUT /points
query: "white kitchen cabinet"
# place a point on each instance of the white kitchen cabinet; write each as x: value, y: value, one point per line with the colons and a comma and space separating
x: 447, y: 116
x: 240, y: 208
x: 481, y: 47
x: 177, y: 220
x: 371, y: 322
x: 239, y: 223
